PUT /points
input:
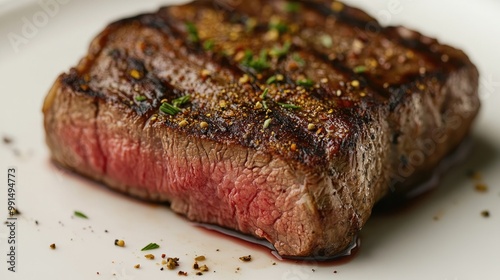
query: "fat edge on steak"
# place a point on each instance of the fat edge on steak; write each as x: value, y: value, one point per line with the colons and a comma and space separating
x: 301, y: 115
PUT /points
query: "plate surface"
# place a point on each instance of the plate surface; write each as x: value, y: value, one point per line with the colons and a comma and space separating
x: 443, y: 236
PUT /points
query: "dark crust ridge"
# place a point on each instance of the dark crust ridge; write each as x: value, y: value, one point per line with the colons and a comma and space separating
x: 372, y: 104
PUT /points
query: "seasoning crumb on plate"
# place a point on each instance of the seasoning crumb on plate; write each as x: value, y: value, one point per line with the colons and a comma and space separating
x: 246, y: 258
x: 200, y: 258
x: 7, y: 140
x: 182, y: 273
x: 137, y: 266
x: 119, y: 243
x: 53, y: 246
x: 485, y: 213
x: 480, y: 187
x: 150, y: 256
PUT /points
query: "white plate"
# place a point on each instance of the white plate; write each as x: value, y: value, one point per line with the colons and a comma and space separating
x: 461, y: 244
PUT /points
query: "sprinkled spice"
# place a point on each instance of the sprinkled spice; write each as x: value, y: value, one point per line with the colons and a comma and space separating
x: 183, y: 123
x: 14, y: 211
x: 311, y: 126
x: 355, y: 83
x: 244, y: 79
x: 140, y: 98
x: 480, y: 187
x: 203, y: 125
x: 134, y: 73
x: 485, y: 213
x: 266, y: 125
x: 292, y: 7
x: 182, y: 273
x: 6, y: 140
x: 137, y: 266
x: 200, y: 258
x: 149, y: 256
x: 337, y: 6
x: 199, y: 273
x: 172, y: 263
x: 326, y: 41
x: 203, y: 268
x: 359, y: 69
x: 205, y: 73
x: 52, y: 246
x: 245, y: 259
x: 258, y: 105
x: 119, y: 243
x: 80, y: 215
x: 150, y: 246
x: 293, y: 147
x: 192, y: 32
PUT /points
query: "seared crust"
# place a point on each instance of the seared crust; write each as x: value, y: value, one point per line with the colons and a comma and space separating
x: 378, y: 107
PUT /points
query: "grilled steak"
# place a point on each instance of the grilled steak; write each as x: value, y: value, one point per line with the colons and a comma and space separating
x: 283, y: 120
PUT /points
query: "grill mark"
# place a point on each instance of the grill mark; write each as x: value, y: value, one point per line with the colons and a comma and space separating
x: 418, y: 46
x: 342, y: 15
x: 167, y: 26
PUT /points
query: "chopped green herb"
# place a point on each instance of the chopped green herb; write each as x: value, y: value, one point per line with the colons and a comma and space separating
x: 278, y: 26
x: 258, y: 64
x: 326, y: 41
x: 359, y: 69
x: 289, y: 106
x: 305, y: 82
x: 272, y: 80
x: 140, y: 98
x: 172, y: 109
x: 264, y: 94
x: 267, y: 123
x: 80, y: 215
x: 181, y: 100
x: 208, y: 45
x: 150, y: 246
x: 192, y: 32
x: 297, y: 58
x: 280, y: 52
x: 250, y: 24
x: 169, y: 109
x: 264, y: 104
x: 292, y: 7
x: 247, y: 58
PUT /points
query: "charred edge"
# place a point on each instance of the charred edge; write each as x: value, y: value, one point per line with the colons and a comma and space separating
x: 167, y: 27
x: 349, y: 73
x: 398, y: 92
x: 78, y: 84
x: 344, y: 15
x: 417, y: 45
x: 312, y: 149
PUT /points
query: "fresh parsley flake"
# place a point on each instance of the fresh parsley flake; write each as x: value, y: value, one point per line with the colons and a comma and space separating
x: 150, y: 246
x: 80, y: 215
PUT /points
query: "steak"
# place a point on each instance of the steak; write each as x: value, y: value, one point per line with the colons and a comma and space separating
x: 282, y: 120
